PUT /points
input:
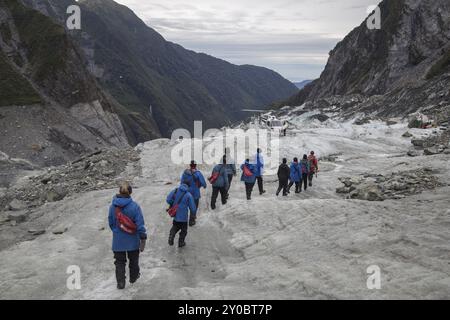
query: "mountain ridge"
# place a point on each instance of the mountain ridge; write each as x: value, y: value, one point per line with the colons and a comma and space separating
x: 400, y: 69
x: 181, y: 85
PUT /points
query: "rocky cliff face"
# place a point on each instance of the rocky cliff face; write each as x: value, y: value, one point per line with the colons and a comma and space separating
x: 51, y: 108
x: 396, y: 70
x: 161, y: 85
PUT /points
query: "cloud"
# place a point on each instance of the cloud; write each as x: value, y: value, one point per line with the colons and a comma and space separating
x: 292, y: 37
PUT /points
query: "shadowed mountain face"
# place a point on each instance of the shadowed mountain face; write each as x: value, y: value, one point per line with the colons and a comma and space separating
x: 396, y: 70
x: 161, y: 85
x: 51, y: 107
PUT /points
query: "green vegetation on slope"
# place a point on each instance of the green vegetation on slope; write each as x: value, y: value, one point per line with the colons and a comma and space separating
x: 14, y: 88
x: 45, y: 41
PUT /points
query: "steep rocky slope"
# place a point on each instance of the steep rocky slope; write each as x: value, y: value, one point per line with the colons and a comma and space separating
x: 51, y: 108
x: 140, y: 69
x: 399, y: 69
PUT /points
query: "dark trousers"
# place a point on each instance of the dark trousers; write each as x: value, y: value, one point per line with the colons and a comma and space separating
x: 230, y: 178
x: 282, y: 185
x: 197, y: 202
x: 297, y: 186
x: 310, y: 178
x: 260, y: 184
x: 215, y: 194
x: 176, y: 227
x: 121, y: 262
x: 304, y: 181
x: 249, y: 189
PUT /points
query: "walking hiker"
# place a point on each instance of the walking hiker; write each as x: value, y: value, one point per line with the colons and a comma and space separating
x: 305, y: 167
x: 285, y: 127
x: 248, y: 177
x: 195, y: 180
x: 283, y: 178
x: 231, y: 169
x: 219, y: 181
x: 129, y: 235
x: 260, y: 170
x: 314, y: 167
x: 295, y: 176
x: 182, y: 202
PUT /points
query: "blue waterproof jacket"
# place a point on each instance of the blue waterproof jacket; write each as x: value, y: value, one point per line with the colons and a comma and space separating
x: 185, y: 201
x: 306, y: 166
x: 123, y: 241
x: 231, y: 168
x: 259, y: 164
x: 296, y: 172
x: 222, y: 180
x: 252, y: 167
x: 195, y: 180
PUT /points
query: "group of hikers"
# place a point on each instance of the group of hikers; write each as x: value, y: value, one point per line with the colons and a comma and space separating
x: 127, y: 222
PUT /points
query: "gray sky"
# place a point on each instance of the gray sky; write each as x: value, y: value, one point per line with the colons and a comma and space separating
x: 292, y: 37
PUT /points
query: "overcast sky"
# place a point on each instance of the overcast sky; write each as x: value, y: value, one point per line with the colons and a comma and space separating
x: 292, y: 37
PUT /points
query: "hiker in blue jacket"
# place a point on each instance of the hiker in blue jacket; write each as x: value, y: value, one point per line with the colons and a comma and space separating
x: 231, y: 169
x: 259, y: 164
x: 305, y: 167
x: 250, y: 178
x: 220, y: 184
x: 185, y: 201
x: 123, y: 243
x: 295, y: 175
x: 195, y: 180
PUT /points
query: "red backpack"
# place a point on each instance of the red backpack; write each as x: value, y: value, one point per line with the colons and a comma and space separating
x: 215, y: 176
x: 124, y: 222
x: 247, y: 171
x: 172, y: 211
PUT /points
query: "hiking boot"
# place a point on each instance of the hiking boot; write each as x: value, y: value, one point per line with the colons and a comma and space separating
x: 121, y: 285
x: 310, y: 184
x: 171, y: 241
x: 261, y: 193
x: 181, y: 244
x: 277, y: 194
x: 134, y: 280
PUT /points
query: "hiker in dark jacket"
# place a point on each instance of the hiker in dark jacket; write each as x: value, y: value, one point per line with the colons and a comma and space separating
x: 305, y: 172
x: 220, y: 183
x: 183, y: 198
x: 195, y: 180
x: 283, y: 177
x: 249, y: 179
x: 124, y: 244
x: 231, y: 169
x: 295, y: 176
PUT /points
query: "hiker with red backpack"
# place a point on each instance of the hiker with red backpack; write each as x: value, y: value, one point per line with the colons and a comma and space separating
x: 195, y: 180
x: 181, y: 203
x: 305, y: 167
x: 248, y: 176
x: 295, y: 176
x: 231, y: 169
x: 129, y: 234
x: 314, y: 167
x: 220, y: 183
